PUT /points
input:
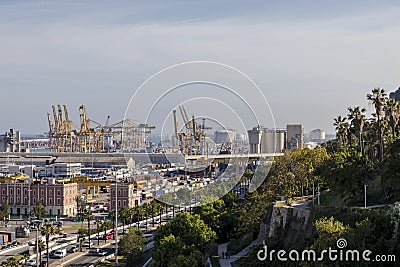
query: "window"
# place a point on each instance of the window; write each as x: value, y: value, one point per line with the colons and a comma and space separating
x: 34, y: 193
x: 119, y: 203
x: 3, y: 191
x: 124, y: 192
x: 18, y: 191
x: 50, y: 192
x: 113, y: 203
x: 119, y: 192
x: 11, y: 191
x: 25, y: 200
x: 18, y: 200
x: 58, y: 192
x: 11, y: 199
x: 34, y: 200
x: 58, y: 201
x: 50, y: 201
x: 42, y: 192
x: 25, y: 191
x: 124, y: 202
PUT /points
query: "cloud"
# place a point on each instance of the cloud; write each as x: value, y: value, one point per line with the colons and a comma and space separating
x: 310, y: 68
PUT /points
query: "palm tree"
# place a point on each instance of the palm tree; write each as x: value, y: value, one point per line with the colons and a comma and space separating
x: 41, y: 247
x: 356, y: 117
x: 99, y: 225
x: 124, y: 214
x: 81, y: 238
x: 79, y: 204
x: 378, y: 100
x: 39, y: 209
x: 47, y: 230
x: 341, y: 127
x: 392, y: 111
x: 88, y: 216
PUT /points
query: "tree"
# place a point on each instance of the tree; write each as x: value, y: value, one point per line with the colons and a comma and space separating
x: 39, y: 209
x: 345, y: 172
x: 131, y: 245
x: 378, y: 99
x: 41, y: 247
x: 341, y: 127
x: 10, y: 262
x: 124, y: 214
x: 81, y: 238
x: 4, y: 210
x: 183, y: 235
x: 47, y: 230
x: 88, y: 217
x: 99, y: 225
x: 356, y: 117
x: 392, y: 112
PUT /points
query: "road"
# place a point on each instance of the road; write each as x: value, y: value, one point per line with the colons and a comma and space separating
x: 12, y: 252
x: 82, y: 258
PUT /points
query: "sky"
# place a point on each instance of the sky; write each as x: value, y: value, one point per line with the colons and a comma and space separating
x: 311, y: 59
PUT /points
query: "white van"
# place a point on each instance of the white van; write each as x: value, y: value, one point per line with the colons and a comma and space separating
x: 60, y: 253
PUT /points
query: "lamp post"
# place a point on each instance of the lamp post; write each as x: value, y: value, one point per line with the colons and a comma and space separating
x: 116, y: 222
x: 37, y: 242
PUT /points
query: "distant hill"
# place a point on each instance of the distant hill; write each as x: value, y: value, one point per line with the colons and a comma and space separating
x: 395, y: 95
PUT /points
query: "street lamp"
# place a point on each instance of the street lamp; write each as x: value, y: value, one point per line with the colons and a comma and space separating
x: 37, y: 223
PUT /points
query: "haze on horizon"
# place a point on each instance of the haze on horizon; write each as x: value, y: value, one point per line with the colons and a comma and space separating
x: 311, y: 59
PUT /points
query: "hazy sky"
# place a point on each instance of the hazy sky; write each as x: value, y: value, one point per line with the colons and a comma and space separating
x: 312, y: 59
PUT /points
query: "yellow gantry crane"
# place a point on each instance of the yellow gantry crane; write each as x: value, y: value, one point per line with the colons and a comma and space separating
x: 66, y: 136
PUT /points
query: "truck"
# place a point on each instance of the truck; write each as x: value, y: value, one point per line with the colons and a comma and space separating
x: 60, y: 253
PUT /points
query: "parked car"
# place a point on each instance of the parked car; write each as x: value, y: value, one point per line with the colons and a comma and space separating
x: 102, y: 252
x: 73, y: 249
x: 60, y: 253
x: 94, y: 251
x: 31, y: 262
x: 87, y: 244
x: 108, y: 236
x: 44, y: 264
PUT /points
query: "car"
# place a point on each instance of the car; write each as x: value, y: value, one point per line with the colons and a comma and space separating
x: 94, y: 251
x: 102, y: 252
x: 73, y: 249
x: 31, y: 262
x: 43, y: 264
x: 54, y: 238
x: 51, y: 254
x: 87, y: 244
x: 108, y: 236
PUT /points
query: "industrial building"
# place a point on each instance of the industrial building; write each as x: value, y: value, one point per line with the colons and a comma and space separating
x: 317, y: 135
x: 10, y: 141
x: 294, y: 136
x: 264, y: 140
x: 224, y: 136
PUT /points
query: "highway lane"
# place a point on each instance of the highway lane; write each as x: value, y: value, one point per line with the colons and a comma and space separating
x: 83, y: 258
x: 12, y: 252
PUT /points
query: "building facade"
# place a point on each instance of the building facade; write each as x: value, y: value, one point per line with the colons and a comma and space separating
x: 127, y: 195
x: 59, y: 199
